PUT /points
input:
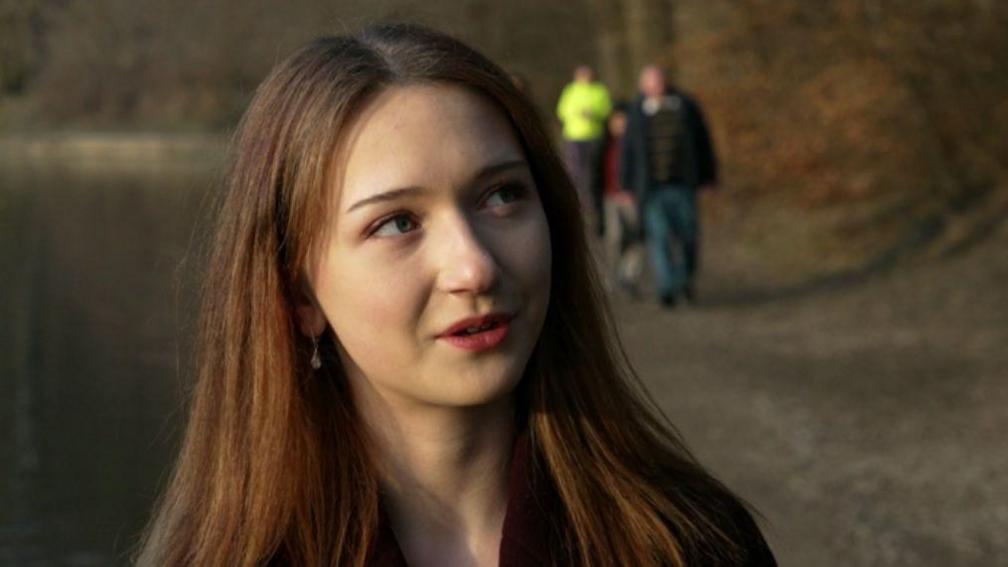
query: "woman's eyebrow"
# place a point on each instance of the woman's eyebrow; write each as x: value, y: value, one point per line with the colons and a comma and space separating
x: 499, y: 167
x: 393, y: 194
x: 385, y: 196
x: 496, y: 169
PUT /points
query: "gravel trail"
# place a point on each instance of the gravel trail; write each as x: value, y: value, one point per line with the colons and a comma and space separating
x: 866, y: 423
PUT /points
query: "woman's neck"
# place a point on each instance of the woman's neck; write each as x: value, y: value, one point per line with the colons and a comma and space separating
x: 444, y: 477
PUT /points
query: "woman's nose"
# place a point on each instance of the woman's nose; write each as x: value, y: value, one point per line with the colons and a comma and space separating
x: 466, y: 263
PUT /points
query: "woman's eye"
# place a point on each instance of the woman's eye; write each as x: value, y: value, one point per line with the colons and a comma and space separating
x: 394, y: 226
x: 505, y: 194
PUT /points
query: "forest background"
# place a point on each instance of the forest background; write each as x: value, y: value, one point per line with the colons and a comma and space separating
x: 856, y: 130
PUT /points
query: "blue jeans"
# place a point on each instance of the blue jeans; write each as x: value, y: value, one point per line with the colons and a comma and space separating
x: 670, y: 222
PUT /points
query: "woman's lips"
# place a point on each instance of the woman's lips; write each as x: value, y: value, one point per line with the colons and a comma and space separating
x: 493, y: 332
x: 478, y: 341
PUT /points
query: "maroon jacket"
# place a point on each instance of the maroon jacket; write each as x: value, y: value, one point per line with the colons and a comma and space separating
x: 532, y: 524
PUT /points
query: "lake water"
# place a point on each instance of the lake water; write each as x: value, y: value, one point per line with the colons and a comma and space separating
x: 98, y: 266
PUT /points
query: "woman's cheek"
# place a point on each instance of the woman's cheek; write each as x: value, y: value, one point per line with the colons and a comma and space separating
x: 537, y: 258
x: 371, y: 315
x: 376, y: 296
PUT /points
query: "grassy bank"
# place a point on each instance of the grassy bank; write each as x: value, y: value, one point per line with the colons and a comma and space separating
x: 112, y: 149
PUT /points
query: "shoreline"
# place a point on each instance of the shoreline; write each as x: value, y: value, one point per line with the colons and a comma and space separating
x: 112, y: 147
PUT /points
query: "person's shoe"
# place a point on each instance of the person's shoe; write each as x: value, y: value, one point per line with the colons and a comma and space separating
x: 668, y: 300
x: 689, y: 292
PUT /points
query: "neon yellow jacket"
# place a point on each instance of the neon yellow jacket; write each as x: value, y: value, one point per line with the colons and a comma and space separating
x: 583, y: 108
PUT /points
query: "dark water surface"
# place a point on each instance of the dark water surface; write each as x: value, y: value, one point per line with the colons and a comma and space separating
x: 97, y: 295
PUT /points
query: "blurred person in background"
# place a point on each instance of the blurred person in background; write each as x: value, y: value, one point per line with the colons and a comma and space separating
x: 583, y: 107
x: 666, y: 158
x: 405, y: 358
x: 623, y: 241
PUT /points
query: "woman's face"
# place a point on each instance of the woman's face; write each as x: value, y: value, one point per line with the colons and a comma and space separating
x: 435, y: 272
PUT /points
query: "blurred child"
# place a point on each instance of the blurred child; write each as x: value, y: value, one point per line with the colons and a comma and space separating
x: 624, y: 248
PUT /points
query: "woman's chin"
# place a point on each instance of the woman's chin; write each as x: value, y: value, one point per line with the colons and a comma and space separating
x: 480, y: 386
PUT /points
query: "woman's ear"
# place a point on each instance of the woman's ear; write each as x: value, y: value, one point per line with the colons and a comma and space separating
x: 310, y: 318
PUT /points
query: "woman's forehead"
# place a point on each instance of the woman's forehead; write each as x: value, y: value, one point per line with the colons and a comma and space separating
x: 428, y: 135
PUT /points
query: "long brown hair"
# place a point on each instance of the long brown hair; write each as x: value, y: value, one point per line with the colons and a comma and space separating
x: 274, y: 465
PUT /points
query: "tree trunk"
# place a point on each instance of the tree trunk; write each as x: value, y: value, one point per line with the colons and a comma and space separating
x: 648, y: 31
x: 631, y: 34
x: 612, y: 48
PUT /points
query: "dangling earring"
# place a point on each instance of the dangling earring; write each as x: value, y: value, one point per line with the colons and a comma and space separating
x: 316, y: 360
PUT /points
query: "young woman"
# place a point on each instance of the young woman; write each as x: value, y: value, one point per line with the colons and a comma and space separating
x: 405, y: 354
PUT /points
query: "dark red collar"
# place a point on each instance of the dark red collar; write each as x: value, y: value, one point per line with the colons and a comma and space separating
x: 531, y: 521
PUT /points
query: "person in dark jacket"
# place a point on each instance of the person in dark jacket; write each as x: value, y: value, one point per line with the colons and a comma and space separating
x: 666, y: 158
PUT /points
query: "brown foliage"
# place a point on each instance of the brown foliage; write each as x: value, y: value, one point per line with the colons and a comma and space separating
x: 169, y: 65
x: 818, y: 103
x: 852, y: 100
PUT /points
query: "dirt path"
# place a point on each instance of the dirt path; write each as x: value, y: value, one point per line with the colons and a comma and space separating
x: 866, y: 423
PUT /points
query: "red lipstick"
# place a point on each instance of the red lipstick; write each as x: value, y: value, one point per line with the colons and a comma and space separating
x: 477, y: 333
